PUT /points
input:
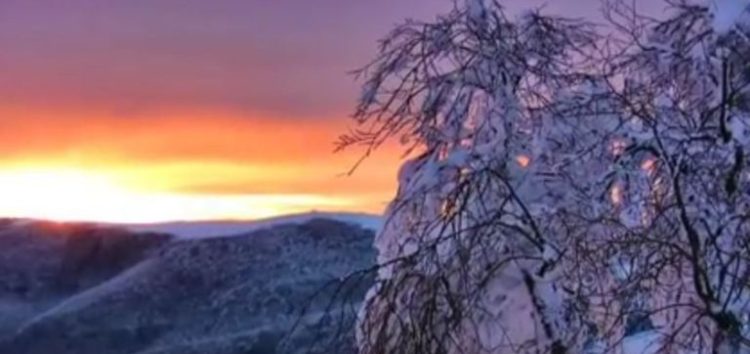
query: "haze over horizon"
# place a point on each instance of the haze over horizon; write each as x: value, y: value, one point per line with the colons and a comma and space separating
x: 146, y: 111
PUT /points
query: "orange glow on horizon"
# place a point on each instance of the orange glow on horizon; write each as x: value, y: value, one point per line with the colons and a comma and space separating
x: 71, y: 195
x: 181, y: 165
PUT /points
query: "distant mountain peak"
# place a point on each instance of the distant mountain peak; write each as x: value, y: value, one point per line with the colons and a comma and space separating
x: 219, y: 228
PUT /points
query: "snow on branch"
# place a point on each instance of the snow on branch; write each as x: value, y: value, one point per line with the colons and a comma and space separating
x: 569, y: 191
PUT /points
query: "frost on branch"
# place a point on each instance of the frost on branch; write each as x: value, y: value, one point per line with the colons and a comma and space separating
x: 566, y: 192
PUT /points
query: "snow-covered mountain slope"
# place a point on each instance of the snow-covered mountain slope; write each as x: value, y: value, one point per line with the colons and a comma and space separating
x: 205, y: 229
x: 87, y: 289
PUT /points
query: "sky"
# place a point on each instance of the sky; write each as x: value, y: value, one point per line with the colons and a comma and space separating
x: 161, y: 110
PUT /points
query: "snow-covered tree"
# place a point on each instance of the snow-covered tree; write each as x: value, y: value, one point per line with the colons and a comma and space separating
x: 566, y: 187
x: 686, y: 79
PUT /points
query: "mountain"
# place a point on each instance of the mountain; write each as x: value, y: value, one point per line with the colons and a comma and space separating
x: 207, y: 229
x: 252, y: 288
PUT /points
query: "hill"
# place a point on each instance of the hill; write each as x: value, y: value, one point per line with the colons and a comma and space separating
x: 76, y: 288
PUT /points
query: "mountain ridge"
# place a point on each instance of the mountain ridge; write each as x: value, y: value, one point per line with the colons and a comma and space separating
x: 219, y: 228
x: 233, y: 294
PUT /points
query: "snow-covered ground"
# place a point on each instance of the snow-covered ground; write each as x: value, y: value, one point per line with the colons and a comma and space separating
x: 206, y: 229
x: 64, y: 290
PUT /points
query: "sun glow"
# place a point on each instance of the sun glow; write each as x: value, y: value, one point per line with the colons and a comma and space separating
x: 523, y: 161
x: 78, y: 195
x: 180, y: 164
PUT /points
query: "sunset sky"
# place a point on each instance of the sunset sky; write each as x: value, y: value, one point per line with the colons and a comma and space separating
x: 155, y: 110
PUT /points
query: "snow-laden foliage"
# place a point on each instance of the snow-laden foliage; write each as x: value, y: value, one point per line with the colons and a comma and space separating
x: 687, y: 81
x: 569, y: 189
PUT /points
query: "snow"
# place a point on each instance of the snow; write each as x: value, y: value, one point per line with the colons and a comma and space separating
x: 477, y: 10
x: 727, y: 13
x: 740, y: 130
x: 207, y: 229
x: 642, y: 343
x: 90, y: 296
x: 564, y: 169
